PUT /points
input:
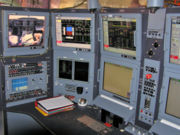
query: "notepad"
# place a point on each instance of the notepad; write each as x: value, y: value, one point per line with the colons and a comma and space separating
x: 55, y: 103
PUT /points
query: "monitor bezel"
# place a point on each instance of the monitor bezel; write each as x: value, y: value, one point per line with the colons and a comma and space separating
x: 134, y: 81
x: 167, y: 42
x: 168, y: 74
x: 73, y: 69
x: 83, y: 15
x: 15, y: 51
x: 138, y: 36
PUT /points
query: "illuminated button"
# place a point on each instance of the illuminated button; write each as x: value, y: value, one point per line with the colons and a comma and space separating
x: 39, y: 64
x: 106, y: 46
x: 141, y: 110
x: 148, y: 76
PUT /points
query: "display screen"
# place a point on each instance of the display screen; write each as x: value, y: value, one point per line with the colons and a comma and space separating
x: 117, y: 79
x: 173, y: 98
x: 25, y: 30
x: 175, y: 41
x: 20, y: 84
x: 81, y: 71
x: 119, y: 35
x: 73, y: 32
x: 65, y: 69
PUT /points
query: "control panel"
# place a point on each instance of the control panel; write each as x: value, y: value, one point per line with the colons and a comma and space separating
x: 152, y: 70
x: 149, y: 90
x: 22, y: 69
x: 25, y: 81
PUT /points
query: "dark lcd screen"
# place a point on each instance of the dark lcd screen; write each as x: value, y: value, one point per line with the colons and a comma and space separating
x: 81, y: 71
x: 65, y: 69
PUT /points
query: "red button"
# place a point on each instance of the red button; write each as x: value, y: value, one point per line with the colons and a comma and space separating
x: 107, y: 124
x: 141, y: 110
x: 148, y: 76
x: 106, y: 46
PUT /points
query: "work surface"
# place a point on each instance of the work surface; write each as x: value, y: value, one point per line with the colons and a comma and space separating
x: 80, y: 121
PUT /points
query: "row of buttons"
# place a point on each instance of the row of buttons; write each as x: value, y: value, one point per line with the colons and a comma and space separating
x: 26, y: 95
x: 148, y: 91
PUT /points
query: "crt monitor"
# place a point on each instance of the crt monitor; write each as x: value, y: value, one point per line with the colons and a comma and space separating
x: 25, y: 33
x: 122, y: 35
x: 73, y: 31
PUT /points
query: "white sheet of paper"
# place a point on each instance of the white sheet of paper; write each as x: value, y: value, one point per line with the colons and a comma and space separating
x: 55, y: 102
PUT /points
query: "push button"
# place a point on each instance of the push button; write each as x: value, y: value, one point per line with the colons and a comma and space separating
x: 148, y: 76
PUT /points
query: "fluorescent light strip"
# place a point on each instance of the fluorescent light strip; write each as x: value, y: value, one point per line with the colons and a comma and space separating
x: 117, y: 102
x: 170, y: 124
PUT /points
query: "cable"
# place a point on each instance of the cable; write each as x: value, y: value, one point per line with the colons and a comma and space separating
x: 76, y: 5
x: 80, y: 4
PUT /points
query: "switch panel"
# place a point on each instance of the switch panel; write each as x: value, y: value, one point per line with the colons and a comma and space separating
x: 25, y: 81
x: 149, y: 91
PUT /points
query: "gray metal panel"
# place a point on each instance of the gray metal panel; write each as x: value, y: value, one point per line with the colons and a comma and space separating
x: 133, y: 87
x: 163, y: 129
x: 136, y: 130
x: 60, y: 84
x: 164, y: 96
x: 23, y: 50
x: 138, y: 37
x: 2, y: 126
x: 2, y: 113
x: 115, y: 108
x: 167, y: 43
x: 134, y: 81
x: 156, y: 28
x: 155, y: 3
x: 92, y: 31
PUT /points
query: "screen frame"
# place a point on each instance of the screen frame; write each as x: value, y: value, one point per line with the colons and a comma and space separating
x: 134, y: 81
x: 14, y: 51
x: 83, y: 15
x: 58, y: 76
x: 138, y: 35
x: 167, y: 42
x: 164, y: 96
